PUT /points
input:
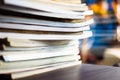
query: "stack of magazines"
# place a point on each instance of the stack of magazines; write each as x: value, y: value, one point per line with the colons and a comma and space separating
x: 38, y: 36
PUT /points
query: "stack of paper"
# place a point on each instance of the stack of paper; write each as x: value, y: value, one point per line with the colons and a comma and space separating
x: 38, y: 36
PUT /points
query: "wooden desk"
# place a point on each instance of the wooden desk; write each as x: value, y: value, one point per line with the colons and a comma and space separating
x: 80, y: 72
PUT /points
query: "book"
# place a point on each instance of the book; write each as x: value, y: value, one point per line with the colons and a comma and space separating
x: 34, y: 44
x: 12, y: 14
x: 10, y: 67
x: 27, y: 48
x: 28, y: 11
x: 39, y: 32
x: 32, y: 4
x: 68, y: 1
x: 18, y: 10
x: 37, y: 54
x: 41, y: 22
x: 40, y: 36
x: 42, y: 28
x: 20, y: 69
x: 23, y: 74
x: 33, y: 47
x: 56, y: 7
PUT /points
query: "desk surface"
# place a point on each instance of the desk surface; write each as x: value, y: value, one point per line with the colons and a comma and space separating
x: 80, y: 72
